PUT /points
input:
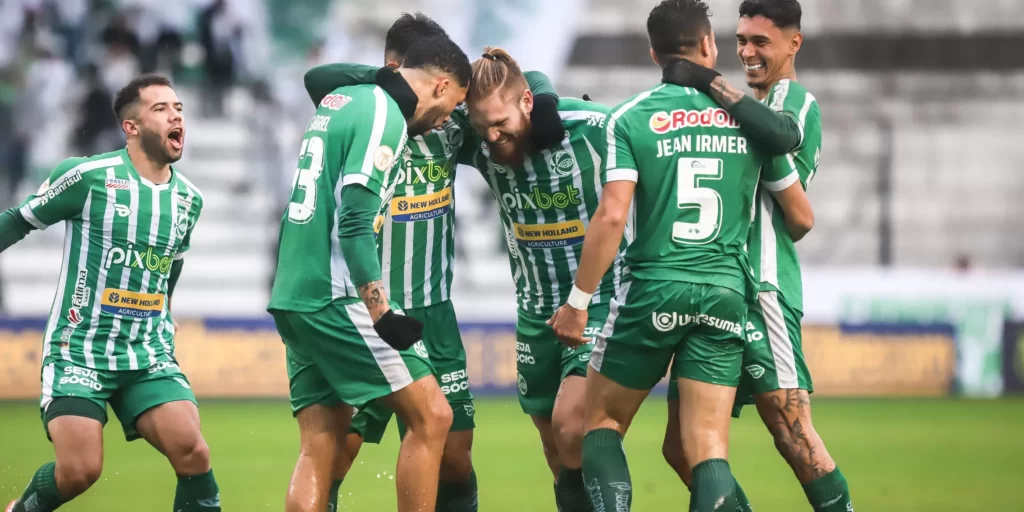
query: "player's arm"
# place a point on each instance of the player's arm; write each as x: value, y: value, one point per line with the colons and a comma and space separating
x: 785, y: 178
x: 547, y: 123
x: 776, y: 133
x: 61, y: 197
x: 322, y: 80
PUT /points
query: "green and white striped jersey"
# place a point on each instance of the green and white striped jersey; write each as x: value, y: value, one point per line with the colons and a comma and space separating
x: 416, y: 242
x: 545, y: 206
x: 352, y: 140
x: 122, y: 234
x: 772, y: 251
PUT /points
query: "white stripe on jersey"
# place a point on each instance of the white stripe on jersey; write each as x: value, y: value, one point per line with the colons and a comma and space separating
x: 510, y: 239
x: 380, y: 118
x: 407, y: 259
x: 531, y: 177
x: 597, y: 355
x: 101, y: 279
x: 610, y: 131
x: 386, y: 237
x: 84, y: 167
x: 341, y: 283
x: 581, y: 115
x: 428, y: 254
x: 192, y: 188
x: 388, y: 359
x: 769, y: 258
x: 549, y: 256
x: 58, y: 300
x: 147, y: 275
x: 126, y: 274
x: 444, y: 245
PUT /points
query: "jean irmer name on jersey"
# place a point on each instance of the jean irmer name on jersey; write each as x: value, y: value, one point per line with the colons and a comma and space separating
x: 734, y: 144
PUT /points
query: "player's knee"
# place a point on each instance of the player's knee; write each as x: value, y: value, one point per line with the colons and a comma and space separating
x: 191, y: 458
x: 348, y: 450
x: 77, y: 475
x: 456, y: 466
x: 439, y: 422
x: 569, y: 434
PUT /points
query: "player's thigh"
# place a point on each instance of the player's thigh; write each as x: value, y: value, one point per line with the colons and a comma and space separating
x: 347, y: 352
x: 173, y: 428
x: 610, y: 404
x: 635, y: 347
x: 319, y: 427
x: 443, y: 341
x: 421, y: 406
x: 73, y: 390
x: 371, y: 421
x: 75, y: 426
x: 539, y: 364
x: 147, y: 390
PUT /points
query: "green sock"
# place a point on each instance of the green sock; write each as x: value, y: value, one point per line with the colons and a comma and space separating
x: 42, y: 494
x: 332, y: 498
x: 461, y: 497
x: 742, y: 503
x: 197, y: 494
x: 829, y: 493
x: 558, y: 504
x: 570, y: 493
x: 605, y: 472
x: 714, y: 488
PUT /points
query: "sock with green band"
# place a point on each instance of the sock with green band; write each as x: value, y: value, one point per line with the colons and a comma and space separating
x: 714, y: 487
x: 742, y: 503
x: 829, y: 493
x: 571, y: 493
x: 332, y: 498
x: 42, y: 494
x: 197, y: 494
x: 605, y: 472
x: 458, y: 497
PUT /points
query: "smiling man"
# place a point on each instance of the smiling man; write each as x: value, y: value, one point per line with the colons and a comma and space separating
x: 128, y: 219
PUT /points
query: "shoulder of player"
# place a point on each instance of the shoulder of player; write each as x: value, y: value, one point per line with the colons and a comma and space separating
x: 197, y: 195
x: 790, y: 95
x: 81, y: 167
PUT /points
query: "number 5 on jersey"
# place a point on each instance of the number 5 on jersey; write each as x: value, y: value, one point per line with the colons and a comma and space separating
x: 300, y: 212
x: 708, y: 203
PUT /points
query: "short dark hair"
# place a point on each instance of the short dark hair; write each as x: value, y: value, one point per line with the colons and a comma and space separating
x: 407, y: 30
x: 440, y: 54
x: 677, y: 26
x: 128, y: 96
x: 783, y: 13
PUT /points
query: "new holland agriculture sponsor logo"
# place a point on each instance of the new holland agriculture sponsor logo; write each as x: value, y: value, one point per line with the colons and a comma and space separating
x: 132, y: 304
x: 422, y: 207
x: 664, y: 122
x: 547, y: 236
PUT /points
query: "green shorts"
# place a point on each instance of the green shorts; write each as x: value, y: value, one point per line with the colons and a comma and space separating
x: 334, y: 356
x: 543, y: 362
x: 444, y: 344
x: 774, y: 356
x: 652, y: 322
x: 129, y: 392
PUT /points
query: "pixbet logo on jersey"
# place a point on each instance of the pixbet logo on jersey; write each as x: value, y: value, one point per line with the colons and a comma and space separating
x: 664, y: 122
x: 131, y: 258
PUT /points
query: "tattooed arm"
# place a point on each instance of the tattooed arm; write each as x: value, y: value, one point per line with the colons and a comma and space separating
x: 375, y: 298
x: 359, y: 207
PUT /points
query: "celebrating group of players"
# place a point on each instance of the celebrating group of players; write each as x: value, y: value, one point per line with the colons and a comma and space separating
x: 656, y: 234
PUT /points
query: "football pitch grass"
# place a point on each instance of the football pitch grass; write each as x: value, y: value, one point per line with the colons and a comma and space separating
x: 898, y: 454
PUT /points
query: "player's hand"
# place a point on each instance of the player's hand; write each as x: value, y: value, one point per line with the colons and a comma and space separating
x: 547, y: 123
x: 686, y: 73
x: 399, y: 331
x: 568, y: 324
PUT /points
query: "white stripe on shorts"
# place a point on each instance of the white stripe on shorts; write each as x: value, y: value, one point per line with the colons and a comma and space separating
x: 778, y: 338
x: 597, y: 355
x: 47, y: 386
x: 388, y: 359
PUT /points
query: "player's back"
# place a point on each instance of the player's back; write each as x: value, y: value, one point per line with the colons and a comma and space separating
x: 348, y: 141
x: 696, y: 176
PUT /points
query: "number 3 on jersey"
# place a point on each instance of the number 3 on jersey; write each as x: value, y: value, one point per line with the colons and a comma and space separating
x: 312, y: 154
x: 691, y: 196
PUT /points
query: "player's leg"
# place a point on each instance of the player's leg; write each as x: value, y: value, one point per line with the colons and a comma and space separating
x: 159, y: 406
x: 73, y: 410
x: 629, y: 358
x: 708, y: 370
x: 672, y: 445
x: 782, y: 395
x: 319, y: 413
x: 457, y: 488
x: 368, y: 425
x: 427, y: 417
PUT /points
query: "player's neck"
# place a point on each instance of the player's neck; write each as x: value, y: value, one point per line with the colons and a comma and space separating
x: 155, y: 173
x: 762, y: 93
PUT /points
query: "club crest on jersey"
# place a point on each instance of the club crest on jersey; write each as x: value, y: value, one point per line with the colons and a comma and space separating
x: 451, y: 140
x: 118, y: 184
x: 561, y: 163
x: 664, y: 122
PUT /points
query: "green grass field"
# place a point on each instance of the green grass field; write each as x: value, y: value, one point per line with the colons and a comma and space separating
x: 899, y: 455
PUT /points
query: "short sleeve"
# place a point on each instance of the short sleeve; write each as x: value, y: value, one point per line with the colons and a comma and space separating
x: 779, y: 173
x: 62, y: 196
x: 620, y: 164
x: 374, y: 146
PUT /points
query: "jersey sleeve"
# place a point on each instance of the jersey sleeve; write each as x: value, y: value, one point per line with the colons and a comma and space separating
x: 192, y: 220
x: 61, y: 197
x: 322, y: 80
x: 619, y: 162
x: 374, y: 144
x: 794, y: 101
x: 540, y: 83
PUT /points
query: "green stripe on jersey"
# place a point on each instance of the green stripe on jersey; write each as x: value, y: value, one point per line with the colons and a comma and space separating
x: 416, y: 242
x: 545, y: 206
x: 121, y: 235
x: 772, y: 251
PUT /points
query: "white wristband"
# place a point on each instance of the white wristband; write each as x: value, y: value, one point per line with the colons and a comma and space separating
x: 579, y: 299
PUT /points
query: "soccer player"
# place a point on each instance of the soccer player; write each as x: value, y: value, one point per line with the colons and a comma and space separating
x: 128, y: 218
x: 426, y: 178
x: 693, y: 173
x: 775, y: 375
x: 347, y: 344
x: 546, y: 197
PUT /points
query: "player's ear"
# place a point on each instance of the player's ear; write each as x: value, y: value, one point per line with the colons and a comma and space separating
x: 796, y: 42
x: 705, y: 46
x: 129, y: 127
x: 442, y: 87
x: 654, y: 57
x: 527, y: 100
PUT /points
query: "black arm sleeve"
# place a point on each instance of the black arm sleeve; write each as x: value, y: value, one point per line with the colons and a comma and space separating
x: 774, y: 132
x: 172, y: 281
